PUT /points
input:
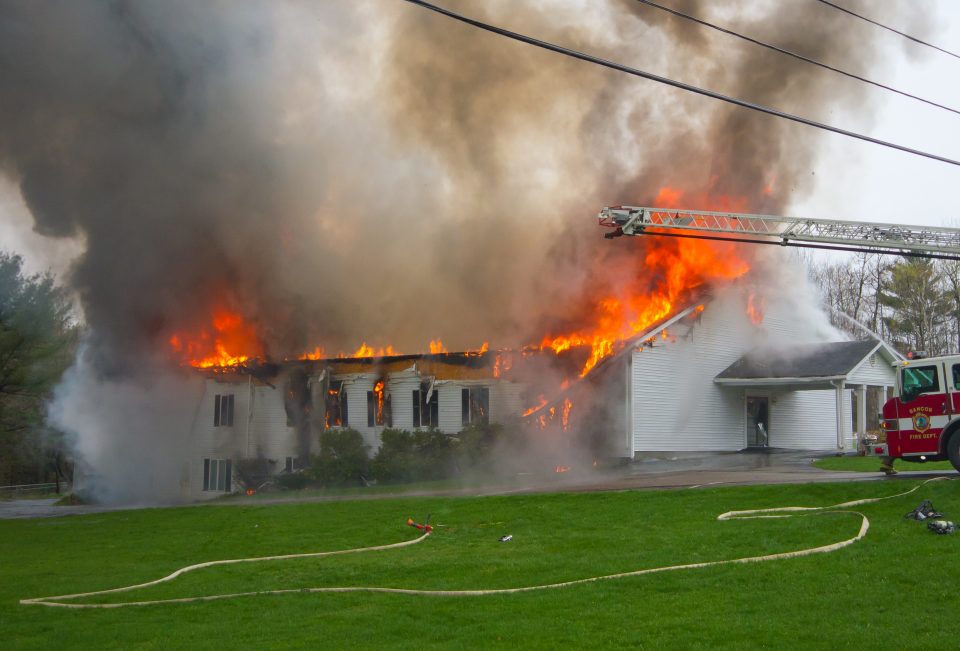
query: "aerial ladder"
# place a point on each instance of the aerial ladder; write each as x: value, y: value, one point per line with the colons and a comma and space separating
x: 891, y: 239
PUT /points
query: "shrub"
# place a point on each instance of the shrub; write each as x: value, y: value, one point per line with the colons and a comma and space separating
x: 435, y: 453
x: 342, y: 460
x: 475, y: 445
x: 412, y: 456
x: 292, y: 481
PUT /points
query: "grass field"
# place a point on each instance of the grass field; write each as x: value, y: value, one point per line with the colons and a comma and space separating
x: 894, y: 589
x: 872, y: 464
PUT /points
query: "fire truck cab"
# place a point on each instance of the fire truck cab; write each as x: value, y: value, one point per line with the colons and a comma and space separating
x: 922, y: 421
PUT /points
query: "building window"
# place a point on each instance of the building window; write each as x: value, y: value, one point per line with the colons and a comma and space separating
x: 223, y: 410
x: 294, y: 464
x: 336, y: 404
x: 475, y: 403
x: 426, y: 414
x: 217, y: 475
x: 378, y: 407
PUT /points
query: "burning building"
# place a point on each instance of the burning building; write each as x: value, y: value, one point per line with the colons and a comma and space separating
x: 720, y: 377
x: 282, y: 175
x: 730, y: 371
x: 273, y: 414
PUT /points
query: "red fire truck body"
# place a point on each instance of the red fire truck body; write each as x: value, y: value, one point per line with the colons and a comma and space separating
x: 922, y: 422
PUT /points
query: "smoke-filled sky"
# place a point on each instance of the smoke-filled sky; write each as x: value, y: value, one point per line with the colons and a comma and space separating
x: 342, y: 171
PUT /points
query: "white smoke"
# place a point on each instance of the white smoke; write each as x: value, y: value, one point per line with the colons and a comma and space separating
x: 130, y: 434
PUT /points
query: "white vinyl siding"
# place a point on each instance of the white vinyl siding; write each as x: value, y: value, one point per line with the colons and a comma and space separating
x: 357, y: 389
x: 804, y: 420
x: 674, y: 403
x: 259, y: 429
x: 878, y: 373
x: 401, y: 397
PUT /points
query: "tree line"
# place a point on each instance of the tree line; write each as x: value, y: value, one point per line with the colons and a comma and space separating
x: 38, y: 339
x: 913, y: 303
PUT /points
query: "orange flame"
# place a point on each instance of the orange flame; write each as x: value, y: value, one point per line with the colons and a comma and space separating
x: 228, y: 341
x: 756, y: 306
x: 674, y: 270
x: 536, y: 408
x: 565, y: 416
x: 378, y: 391
x: 316, y: 353
x: 437, y: 347
x: 369, y: 351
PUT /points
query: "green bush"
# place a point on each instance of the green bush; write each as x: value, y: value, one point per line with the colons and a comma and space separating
x: 412, y: 456
x: 293, y: 481
x: 475, y: 445
x: 342, y: 460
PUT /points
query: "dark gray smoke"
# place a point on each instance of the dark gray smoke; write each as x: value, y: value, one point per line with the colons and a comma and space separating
x: 343, y: 171
x: 346, y: 171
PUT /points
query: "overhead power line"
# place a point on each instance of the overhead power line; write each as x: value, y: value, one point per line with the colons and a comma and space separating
x: 891, y: 29
x: 781, y: 50
x: 559, y: 49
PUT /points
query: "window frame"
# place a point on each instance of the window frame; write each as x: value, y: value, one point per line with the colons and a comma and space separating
x: 223, y: 408
x: 922, y: 390
x: 431, y: 408
x: 217, y: 475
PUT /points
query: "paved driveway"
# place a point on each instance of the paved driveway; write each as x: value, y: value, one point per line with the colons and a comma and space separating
x: 673, y: 471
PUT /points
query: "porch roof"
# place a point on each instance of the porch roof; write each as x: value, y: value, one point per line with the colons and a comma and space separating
x: 810, y: 366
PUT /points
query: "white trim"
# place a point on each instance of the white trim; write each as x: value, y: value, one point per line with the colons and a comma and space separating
x: 749, y: 382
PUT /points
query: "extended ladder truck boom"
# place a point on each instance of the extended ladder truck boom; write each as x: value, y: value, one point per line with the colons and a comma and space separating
x: 922, y: 421
x: 892, y: 239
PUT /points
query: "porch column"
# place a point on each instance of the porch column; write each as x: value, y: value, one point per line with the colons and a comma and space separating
x: 840, y: 419
x: 861, y: 410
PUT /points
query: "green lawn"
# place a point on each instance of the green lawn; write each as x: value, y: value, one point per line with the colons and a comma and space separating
x: 872, y: 464
x: 859, y: 597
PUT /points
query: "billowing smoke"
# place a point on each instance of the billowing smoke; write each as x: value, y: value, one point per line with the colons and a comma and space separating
x: 348, y: 171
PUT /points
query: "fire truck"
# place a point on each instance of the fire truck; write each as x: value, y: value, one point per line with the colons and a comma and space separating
x: 922, y: 422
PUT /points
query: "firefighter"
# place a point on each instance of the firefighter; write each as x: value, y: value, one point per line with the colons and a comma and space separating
x: 886, y: 466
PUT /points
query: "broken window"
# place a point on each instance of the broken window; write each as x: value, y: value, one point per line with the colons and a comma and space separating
x: 426, y: 413
x: 223, y: 410
x: 378, y: 406
x: 336, y: 404
x: 217, y: 474
x: 475, y: 405
x: 294, y: 464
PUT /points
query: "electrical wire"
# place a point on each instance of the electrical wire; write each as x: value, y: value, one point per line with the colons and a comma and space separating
x: 895, y: 31
x: 559, y: 49
x: 795, y: 55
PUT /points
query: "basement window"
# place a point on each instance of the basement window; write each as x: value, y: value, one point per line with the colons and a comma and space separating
x: 223, y: 410
x: 475, y: 405
x: 426, y: 414
x: 217, y: 475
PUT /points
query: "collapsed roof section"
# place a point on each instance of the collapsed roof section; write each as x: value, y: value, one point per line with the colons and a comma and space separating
x: 507, y: 365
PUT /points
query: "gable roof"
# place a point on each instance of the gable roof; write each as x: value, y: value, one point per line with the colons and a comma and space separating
x: 833, y: 360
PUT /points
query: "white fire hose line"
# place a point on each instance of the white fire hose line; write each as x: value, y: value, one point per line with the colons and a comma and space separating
x: 777, y: 512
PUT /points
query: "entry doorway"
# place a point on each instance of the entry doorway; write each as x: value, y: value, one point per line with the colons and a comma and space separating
x: 758, y: 421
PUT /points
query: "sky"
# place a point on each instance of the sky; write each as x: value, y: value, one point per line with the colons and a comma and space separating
x: 864, y: 182
x: 854, y: 180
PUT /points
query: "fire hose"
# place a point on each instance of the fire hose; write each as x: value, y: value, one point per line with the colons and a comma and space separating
x: 776, y: 512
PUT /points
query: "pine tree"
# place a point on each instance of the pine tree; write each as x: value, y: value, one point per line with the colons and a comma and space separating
x: 920, y: 306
